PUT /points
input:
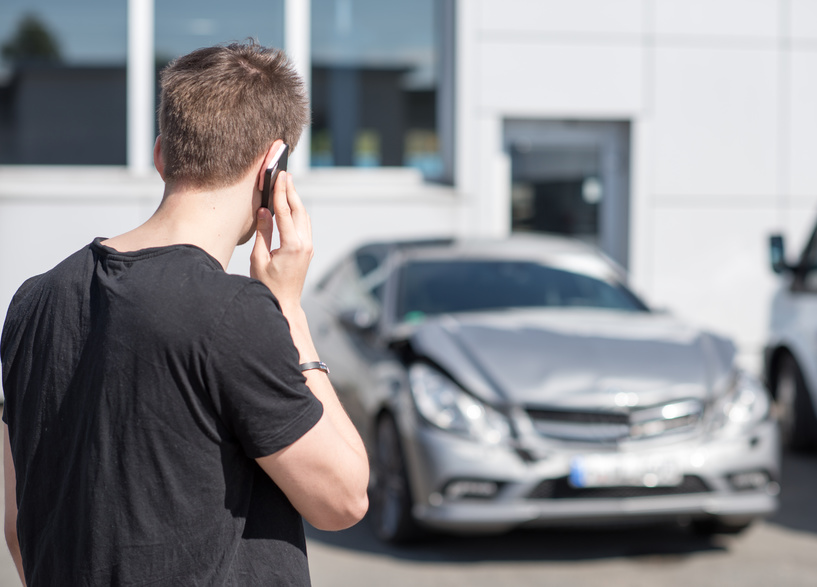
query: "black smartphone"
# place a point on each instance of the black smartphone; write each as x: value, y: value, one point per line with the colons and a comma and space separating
x: 277, y: 165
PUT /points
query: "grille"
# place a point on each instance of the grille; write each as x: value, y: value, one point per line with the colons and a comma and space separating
x: 580, y: 417
x: 615, y: 426
x: 561, y: 489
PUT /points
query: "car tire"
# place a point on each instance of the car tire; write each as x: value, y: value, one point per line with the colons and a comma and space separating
x: 795, y: 411
x: 390, y: 495
x: 713, y: 526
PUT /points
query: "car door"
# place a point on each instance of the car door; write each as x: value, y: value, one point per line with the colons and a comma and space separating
x: 794, y: 315
x: 345, y: 311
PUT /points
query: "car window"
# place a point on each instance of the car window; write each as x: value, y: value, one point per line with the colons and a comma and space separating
x: 436, y: 287
x: 367, y: 262
x: 356, y: 285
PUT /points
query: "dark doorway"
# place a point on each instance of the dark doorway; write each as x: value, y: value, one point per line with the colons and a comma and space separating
x: 572, y: 178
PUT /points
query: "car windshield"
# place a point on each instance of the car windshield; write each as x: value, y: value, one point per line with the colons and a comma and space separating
x: 439, y: 287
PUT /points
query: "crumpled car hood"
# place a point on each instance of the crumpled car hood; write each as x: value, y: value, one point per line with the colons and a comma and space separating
x: 577, y: 358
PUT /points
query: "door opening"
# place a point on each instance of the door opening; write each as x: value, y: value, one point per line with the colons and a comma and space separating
x: 572, y: 178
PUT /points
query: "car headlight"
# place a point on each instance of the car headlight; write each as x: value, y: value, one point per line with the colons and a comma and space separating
x: 746, y: 404
x: 444, y: 404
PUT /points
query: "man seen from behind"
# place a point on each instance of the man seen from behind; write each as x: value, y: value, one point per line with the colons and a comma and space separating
x: 165, y: 424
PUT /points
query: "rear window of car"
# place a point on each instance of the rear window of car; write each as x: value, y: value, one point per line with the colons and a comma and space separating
x: 441, y: 287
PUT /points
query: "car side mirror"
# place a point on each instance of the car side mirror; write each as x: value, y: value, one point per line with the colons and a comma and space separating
x: 777, y: 253
x: 358, y: 319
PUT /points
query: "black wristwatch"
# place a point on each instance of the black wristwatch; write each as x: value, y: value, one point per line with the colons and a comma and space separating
x: 319, y: 365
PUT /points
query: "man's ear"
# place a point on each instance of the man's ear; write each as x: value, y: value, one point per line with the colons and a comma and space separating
x: 266, y: 161
x: 157, y: 157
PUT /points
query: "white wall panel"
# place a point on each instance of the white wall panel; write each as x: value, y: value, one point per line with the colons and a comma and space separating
x: 37, y: 234
x: 716, y: 122
x: 536, y: 79
x: 803, y: 124
x: 711, y: 267
x: 558, y: 16
x: 47, y: 213
x: 494, y: 199
x: 803, y: 19
x: 722, y: 18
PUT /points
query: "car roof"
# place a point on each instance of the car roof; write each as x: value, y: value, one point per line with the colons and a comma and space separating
x: 558, y: 251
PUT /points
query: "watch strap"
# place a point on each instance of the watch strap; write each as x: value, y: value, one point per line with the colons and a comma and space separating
x: 319, y: 365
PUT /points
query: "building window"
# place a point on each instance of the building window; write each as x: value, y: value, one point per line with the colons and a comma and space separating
x: 185, y: 25
x: 374, y: 84
x: 64, y: 94
x: 62, y: 82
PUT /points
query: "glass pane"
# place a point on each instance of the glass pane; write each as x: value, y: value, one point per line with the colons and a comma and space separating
x: 441, y: 287
x: 556, y: 189
x: 374, y: 84
x: 62, y: 82
x: 185, y: 25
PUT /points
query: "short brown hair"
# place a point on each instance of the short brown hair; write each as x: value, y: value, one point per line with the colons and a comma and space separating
x: 222, y: 107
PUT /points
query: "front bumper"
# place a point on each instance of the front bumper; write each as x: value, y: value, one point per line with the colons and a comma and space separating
x: 501, y: 517
x: 436, y: 459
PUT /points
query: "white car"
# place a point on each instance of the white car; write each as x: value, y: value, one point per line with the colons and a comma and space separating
x: 791, y: 352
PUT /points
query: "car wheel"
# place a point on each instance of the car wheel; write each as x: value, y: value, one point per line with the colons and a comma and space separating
x: 391, y: 495
x: 795, y: 412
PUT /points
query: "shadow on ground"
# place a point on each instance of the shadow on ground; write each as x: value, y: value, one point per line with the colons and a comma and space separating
x: 798, y: 504
x: 798, y: 511
x: 530, y: 545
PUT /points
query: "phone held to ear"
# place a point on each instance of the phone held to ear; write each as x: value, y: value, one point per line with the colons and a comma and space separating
x: 277, y: 165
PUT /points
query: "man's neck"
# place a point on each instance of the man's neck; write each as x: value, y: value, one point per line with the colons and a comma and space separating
x: 214, y: 220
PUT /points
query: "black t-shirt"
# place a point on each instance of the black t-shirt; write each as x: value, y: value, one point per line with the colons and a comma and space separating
x: 140, y: 387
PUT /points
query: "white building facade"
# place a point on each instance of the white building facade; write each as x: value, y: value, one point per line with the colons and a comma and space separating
x: 675, y: 134
x: 720, y: 99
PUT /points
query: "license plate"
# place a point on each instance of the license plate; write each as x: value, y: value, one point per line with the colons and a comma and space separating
x: 625, y: 470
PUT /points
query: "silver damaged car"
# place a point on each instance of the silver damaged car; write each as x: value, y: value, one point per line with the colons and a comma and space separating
x: 521, y: 383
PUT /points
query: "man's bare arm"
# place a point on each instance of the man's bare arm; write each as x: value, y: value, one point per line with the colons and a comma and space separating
x: 10, y: 479
x: 325, y: 473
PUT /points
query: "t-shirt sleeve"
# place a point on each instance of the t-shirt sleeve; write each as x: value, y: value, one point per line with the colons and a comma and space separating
x: 252, y: 370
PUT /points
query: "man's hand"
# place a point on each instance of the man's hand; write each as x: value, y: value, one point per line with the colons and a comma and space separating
x: 283, y: 270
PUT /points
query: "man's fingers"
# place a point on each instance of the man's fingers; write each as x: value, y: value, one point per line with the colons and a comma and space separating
x: 283, y: 213
x: 293, y: 199
x: 300, y: 217
x: 280, y: 201
x: 291, y: 217
x: 284, y: 269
